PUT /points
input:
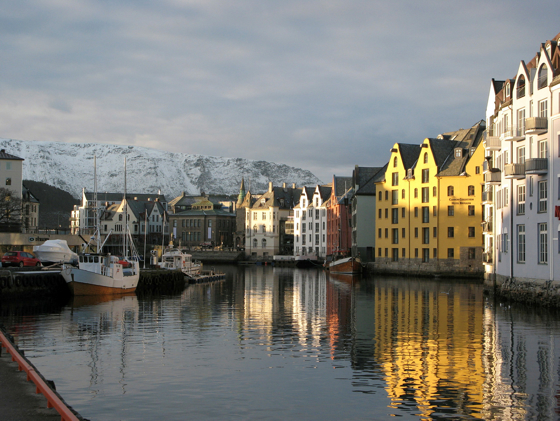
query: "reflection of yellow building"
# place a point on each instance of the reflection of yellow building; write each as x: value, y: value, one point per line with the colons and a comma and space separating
x: 429, y: 211
x: 439, y: 357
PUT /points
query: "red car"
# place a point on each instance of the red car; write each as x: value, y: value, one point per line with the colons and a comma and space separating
x: 19, y: 258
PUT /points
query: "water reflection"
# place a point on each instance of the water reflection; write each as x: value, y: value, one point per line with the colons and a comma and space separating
x: 298, y: 344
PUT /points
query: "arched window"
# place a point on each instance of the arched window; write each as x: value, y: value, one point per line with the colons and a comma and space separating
x: 471, y: 190
x: 395, y: 161
x: 425, y: 157
x: 255, y: 243
x: 264, y: 243
x: 450, y: 191
x: 543, y: 77
x: 507, y: 89
x: 520, y: 86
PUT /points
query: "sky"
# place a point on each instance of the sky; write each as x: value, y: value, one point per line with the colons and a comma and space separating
x: 322, y: 85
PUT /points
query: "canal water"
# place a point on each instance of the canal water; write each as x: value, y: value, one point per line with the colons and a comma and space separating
x: 281, y: 344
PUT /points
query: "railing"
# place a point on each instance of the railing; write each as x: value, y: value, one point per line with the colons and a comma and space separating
x: 536, y: 165
x: 487, y: 226
x: 53, y: 400
x: 493, y: 143
x: 488, y: 196
x: 487, y: 257
x: 493, y: 177
x: 536, y: 125
x: 514, y: 170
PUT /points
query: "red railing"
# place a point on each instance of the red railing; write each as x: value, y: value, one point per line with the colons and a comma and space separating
x: 53, y: 400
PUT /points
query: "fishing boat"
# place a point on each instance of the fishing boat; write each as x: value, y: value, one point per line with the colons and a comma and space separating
x: 55, y: 251
x: 338, y: 263
x: 176, y: 259
x: 104, y: 274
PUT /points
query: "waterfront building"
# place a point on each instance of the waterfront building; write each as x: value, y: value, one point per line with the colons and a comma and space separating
x: 30, y: 211
x: 269, y: 222
x: 310, y: 221
x: 205, y: 224
x: 363, y: 210
x: 522, y: 149
x: 429, y: 209
x: 11, y: 170
x: 339, y: 216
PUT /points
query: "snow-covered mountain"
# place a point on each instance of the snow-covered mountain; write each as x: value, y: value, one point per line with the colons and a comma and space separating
x: 69, y: 166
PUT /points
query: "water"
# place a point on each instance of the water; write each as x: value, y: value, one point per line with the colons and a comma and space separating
x: 277, y: 344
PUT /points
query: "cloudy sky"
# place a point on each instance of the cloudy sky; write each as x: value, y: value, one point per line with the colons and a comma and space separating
x: 318, y: 84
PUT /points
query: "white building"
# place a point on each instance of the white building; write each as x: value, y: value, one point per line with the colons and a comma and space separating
x: 521, y: 192
x: 310, y: 221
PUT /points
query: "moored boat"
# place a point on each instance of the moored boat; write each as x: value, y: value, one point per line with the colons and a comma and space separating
x: 176, y: 259
x: 55, y: 251
x: 349, y: 265
x: 306, y: 261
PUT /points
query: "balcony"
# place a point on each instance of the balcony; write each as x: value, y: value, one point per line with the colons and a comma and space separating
x: 493, y: 142
x: 513, y: 135
x: 493, y: 177
x: 487, y: 197
x: 487, y: 257
x: 536, y: 125
x: 514, y: 171
x: 487, y: 227
x: 536, y: 166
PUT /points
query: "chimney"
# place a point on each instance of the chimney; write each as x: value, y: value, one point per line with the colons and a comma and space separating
x: 293, y: 185
x: 270, y: 186
x: 283, y: 185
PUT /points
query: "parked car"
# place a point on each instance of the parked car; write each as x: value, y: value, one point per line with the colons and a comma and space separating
x: 19, y: 258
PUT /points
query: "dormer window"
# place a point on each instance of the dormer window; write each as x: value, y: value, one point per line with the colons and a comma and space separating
x: 458, y: 153
x: 507, y: 89
x: 543, y: 77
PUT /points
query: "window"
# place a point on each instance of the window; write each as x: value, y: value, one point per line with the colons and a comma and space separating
x: 402, y: 194
x: 425, y: 255
x: 477, y: 170
x: 386, y: 213
x: 416, y: 193
x: 521, y: 122
x: 542, y: 149
x: 543, y: 108
x: 543, y: 243
x: 386, y: 232
x: 8, y: 181
x: 264, y: 216
x: 380, y: 213
x: 543, y: 196
x: 450, y: 253
x: 395, y: 216
x: 543, y: 77
x: 434, y: 191
x: 416, y: 232
x: 471, y: 232
x: 450, y: 210
x: 403, y: 234
x: 521, y: 243
x: 394, y: 162
x: 379, y: 252
x: 472, y: 253
x: 435, y: 232
x: 416, y: 212
x: 379, y: 233
x: 403, y: 252
x: 425, y: 236
x: 521, y: 87
x: 425, y: 214
x: 425, y: 175
x: 435, y: 253
x: 450, y: 232
x: 395, y: 197
x: 402, y: 212
x: 434, y: 211
x: 395, y: 255
x: 386, y: 194
x: 471, y: 190
x: 425, y: 157
x: 395, y: 179
x: 471, y: 210
x: 521, y: 199
x: 425, y: 195
x: 395, y: 236
x: 380, y: 196
x: 263, y: 243
x: 416, y: 253
x: 450, y: 191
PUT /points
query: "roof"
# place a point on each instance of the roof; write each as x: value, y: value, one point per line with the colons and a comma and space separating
x: 281, y: 197
x: 409, y: 154
x: 203, y: 212
x: 363, y: 179
x: 5, y: 155
x: 341, y: 184
x: 464, y: 139
x: 118, y: 197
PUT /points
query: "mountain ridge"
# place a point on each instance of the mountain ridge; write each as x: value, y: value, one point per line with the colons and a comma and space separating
x: 148, y: 170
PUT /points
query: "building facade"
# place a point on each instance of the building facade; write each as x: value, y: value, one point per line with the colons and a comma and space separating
x: 310, y: 221
x: 429, y: 209
x: 522, y: 149
x: 339, y: 216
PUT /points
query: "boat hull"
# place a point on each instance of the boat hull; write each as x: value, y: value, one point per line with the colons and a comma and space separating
x: 348, y: 265
x: 82, y: 282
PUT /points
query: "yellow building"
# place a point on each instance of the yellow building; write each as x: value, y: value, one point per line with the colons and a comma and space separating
x: 429, y: 210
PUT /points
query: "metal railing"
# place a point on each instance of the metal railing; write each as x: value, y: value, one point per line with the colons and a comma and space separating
x: 536, y: 165
x: 536, y: 124
x: 514, y: 170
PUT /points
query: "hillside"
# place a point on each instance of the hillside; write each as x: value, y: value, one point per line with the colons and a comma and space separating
x: 55, y: 205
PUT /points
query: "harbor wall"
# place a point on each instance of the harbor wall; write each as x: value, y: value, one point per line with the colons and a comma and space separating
x: 534, y: 291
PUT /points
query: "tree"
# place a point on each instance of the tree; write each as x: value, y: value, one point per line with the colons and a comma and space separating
x: 10, y: 211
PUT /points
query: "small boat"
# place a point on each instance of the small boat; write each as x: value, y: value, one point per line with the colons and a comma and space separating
x: 176, y: 259
x: 55, y: 251
x: 338, y: 263
x: 104, y: 274
x: 306, y: 261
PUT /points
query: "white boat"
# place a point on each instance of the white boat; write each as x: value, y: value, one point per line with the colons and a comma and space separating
x: 104, y: 274
x: 175, y: 259
x: 55, y: 251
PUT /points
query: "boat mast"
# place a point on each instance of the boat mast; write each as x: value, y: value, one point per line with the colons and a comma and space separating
x: 96, y: 207
x: 125, y: 211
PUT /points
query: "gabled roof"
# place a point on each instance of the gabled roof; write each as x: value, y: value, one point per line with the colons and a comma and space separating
x: 363, y: 179
x: 464, y: 139
x: 282, y: 197
x: 341, y: 184
x: 118, y: 197
x: 409, y: 154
